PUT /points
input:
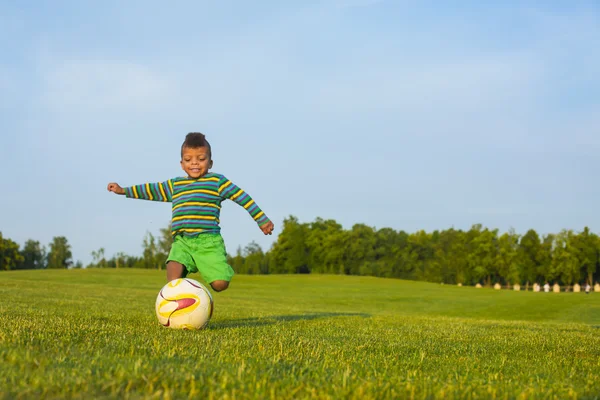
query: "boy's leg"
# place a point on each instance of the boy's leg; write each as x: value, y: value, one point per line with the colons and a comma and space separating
x: 175, y: 270
x: 210, y: 257
x: 179, y: 261
x: 219, y: 286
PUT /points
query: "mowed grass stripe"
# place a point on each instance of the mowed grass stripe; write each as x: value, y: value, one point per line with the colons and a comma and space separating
x: 90, y: 334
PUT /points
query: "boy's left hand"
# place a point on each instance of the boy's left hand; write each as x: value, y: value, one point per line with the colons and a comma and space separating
x: 267, y: 228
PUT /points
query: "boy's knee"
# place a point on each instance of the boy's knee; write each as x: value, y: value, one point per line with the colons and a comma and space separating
x: 175, y: 270
x: 219, y: 286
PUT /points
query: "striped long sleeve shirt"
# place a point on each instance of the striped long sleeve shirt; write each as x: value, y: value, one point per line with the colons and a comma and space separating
x: 196, y: 203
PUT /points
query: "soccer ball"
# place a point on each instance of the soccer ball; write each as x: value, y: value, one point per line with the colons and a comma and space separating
x: 184, y: 304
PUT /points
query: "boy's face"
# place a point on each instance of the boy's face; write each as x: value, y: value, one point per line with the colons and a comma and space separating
x: 195, y: 161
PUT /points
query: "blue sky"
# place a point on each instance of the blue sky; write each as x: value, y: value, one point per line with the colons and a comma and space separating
x: 398, y: 114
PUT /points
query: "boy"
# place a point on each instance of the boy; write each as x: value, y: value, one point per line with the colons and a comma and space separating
x: 197, y: 242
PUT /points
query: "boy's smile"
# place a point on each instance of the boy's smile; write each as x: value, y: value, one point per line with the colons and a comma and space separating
x: 196, y: 161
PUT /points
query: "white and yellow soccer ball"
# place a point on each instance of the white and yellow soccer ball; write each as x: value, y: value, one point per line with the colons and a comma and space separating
x: 184, y: 304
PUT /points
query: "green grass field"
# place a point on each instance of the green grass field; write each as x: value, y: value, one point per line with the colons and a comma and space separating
x: 93, y: 334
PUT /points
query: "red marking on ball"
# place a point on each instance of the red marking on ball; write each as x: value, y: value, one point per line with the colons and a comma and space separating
x: 184, y: 303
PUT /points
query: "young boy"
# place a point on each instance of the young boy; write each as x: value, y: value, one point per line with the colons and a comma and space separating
x: 197, y: 242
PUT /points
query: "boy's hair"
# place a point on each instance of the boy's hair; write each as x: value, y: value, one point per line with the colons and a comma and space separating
x: 194, y: 140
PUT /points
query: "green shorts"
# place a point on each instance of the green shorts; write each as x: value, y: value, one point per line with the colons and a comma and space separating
x: 204, y: 253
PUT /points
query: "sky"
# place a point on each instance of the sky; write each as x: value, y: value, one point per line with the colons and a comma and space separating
x: 402, y: 114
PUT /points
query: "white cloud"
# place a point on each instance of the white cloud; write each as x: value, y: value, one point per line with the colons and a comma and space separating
x: 82, y: 85
x: 535, y: 96
x: 439, y: 88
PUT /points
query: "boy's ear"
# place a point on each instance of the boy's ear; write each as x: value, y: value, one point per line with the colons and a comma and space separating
x: 181, y: 163
x: 210, y: 164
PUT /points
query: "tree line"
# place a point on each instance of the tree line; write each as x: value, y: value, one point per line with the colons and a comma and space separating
x: 478, y: 255
x: 58, y: 254
x: 34, y: 255
x: 453, y: 256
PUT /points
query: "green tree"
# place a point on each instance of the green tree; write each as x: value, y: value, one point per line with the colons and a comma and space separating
x: 390, y: 249
x: 565, y: 258
x: 336, y: 256
x: 316, y: 237
x: 165, y: 241
x: 360, y: 251
x: 289, y: 252
x: 237, y: 262
x: 99, y: 260
x: 547, y: 248
x: 120, y: 259
x: 34, y: 255
x: 530, y: 256
x: 132, y: 262
x: 59, y: 255
x: 152, y: 258
x: 254, y: 259
x: 507, y: 258
x: 421, y: 254
x: 482, y: 257
x: 451, y: 256
x: 587, y: 245
x: 10, y: 258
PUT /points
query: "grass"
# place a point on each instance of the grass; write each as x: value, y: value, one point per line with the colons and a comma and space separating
x: 93, y: 334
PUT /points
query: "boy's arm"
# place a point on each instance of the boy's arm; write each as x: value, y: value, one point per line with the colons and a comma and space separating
x: 228, y: 190
x: 161, y: 191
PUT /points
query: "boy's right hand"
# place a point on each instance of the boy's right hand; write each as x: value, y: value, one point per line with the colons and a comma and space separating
x: 115, y: 188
